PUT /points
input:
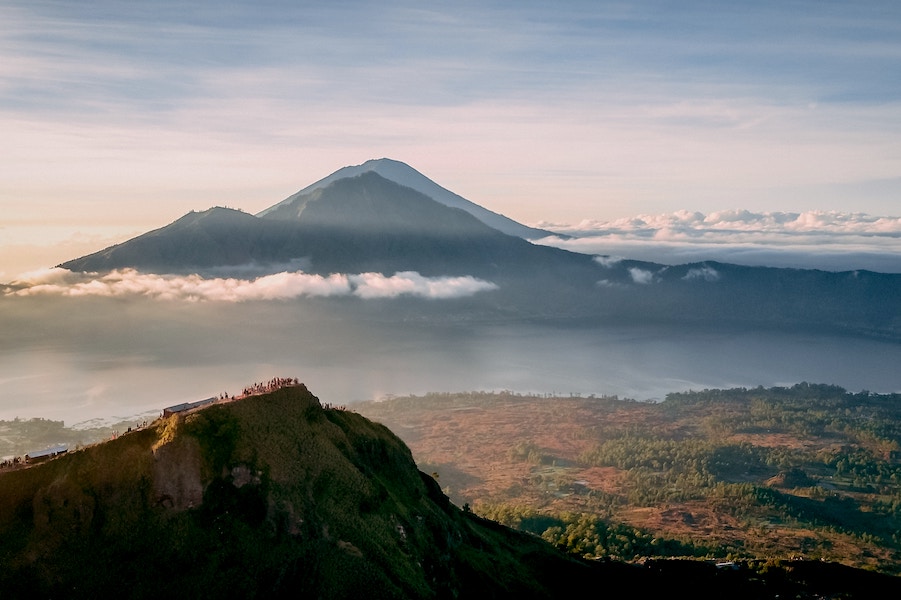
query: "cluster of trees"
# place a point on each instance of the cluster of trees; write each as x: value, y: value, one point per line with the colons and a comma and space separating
x: 531, y: 453
x: 590, y: 536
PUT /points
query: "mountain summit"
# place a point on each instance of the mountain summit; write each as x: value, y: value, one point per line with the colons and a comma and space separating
x: 405, y: 175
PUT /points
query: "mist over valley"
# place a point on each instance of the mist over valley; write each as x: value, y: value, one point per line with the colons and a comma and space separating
x: 77, y: 359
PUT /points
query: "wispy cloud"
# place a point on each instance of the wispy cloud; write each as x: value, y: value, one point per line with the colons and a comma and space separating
x: 705, y: 273
x: 279, y: 286
x: 607, y: 261
x: 375, y: 285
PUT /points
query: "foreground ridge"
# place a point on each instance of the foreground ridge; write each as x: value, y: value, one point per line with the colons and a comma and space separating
x: 274, y: 494
x: 270, y: 493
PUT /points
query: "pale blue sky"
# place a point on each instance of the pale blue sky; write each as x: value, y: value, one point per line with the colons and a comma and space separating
x: 119, y: 117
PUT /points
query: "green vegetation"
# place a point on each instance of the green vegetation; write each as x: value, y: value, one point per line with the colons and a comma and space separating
x: 804, y: 471
x: 592, y: 537
x: 268, y: 496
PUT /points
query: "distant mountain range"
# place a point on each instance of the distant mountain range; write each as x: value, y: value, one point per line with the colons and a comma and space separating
x: 384, y: 216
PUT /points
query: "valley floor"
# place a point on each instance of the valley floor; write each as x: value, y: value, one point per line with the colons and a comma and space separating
x: 803, y: 472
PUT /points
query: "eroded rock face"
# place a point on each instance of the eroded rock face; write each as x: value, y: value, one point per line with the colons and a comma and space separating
x: 176, y: 474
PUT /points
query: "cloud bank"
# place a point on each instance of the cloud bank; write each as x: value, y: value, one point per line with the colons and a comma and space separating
x: 279, y: 286
x: 826, y: 240
x: 686, y: 222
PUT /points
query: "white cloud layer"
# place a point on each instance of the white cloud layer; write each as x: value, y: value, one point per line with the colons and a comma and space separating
x: 279, y: 286
x: 828, y: 240
x: 689, y: 223
x: 641, y: 276
x: 707, y: 273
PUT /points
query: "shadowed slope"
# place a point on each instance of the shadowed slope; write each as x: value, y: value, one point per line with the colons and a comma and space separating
x: 368, y: 223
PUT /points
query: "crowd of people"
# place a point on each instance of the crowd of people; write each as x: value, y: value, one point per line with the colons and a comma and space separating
x: 269, y: 386
x: 12, y: 462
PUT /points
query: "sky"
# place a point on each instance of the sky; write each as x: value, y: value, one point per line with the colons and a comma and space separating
x: 623, y: 119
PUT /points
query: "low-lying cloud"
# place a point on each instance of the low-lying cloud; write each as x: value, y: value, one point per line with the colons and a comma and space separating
x: 641, y: 276
x: 705, y: 273
x: 608, y: 261
x: 826, y: 240
x: 278, y: 286
x: 685, y: 222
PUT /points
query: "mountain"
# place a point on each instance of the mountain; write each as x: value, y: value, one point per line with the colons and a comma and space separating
x: 356, y: 224
x: 367, y: 223
x: 274, y: 495
x: 407, y: 176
